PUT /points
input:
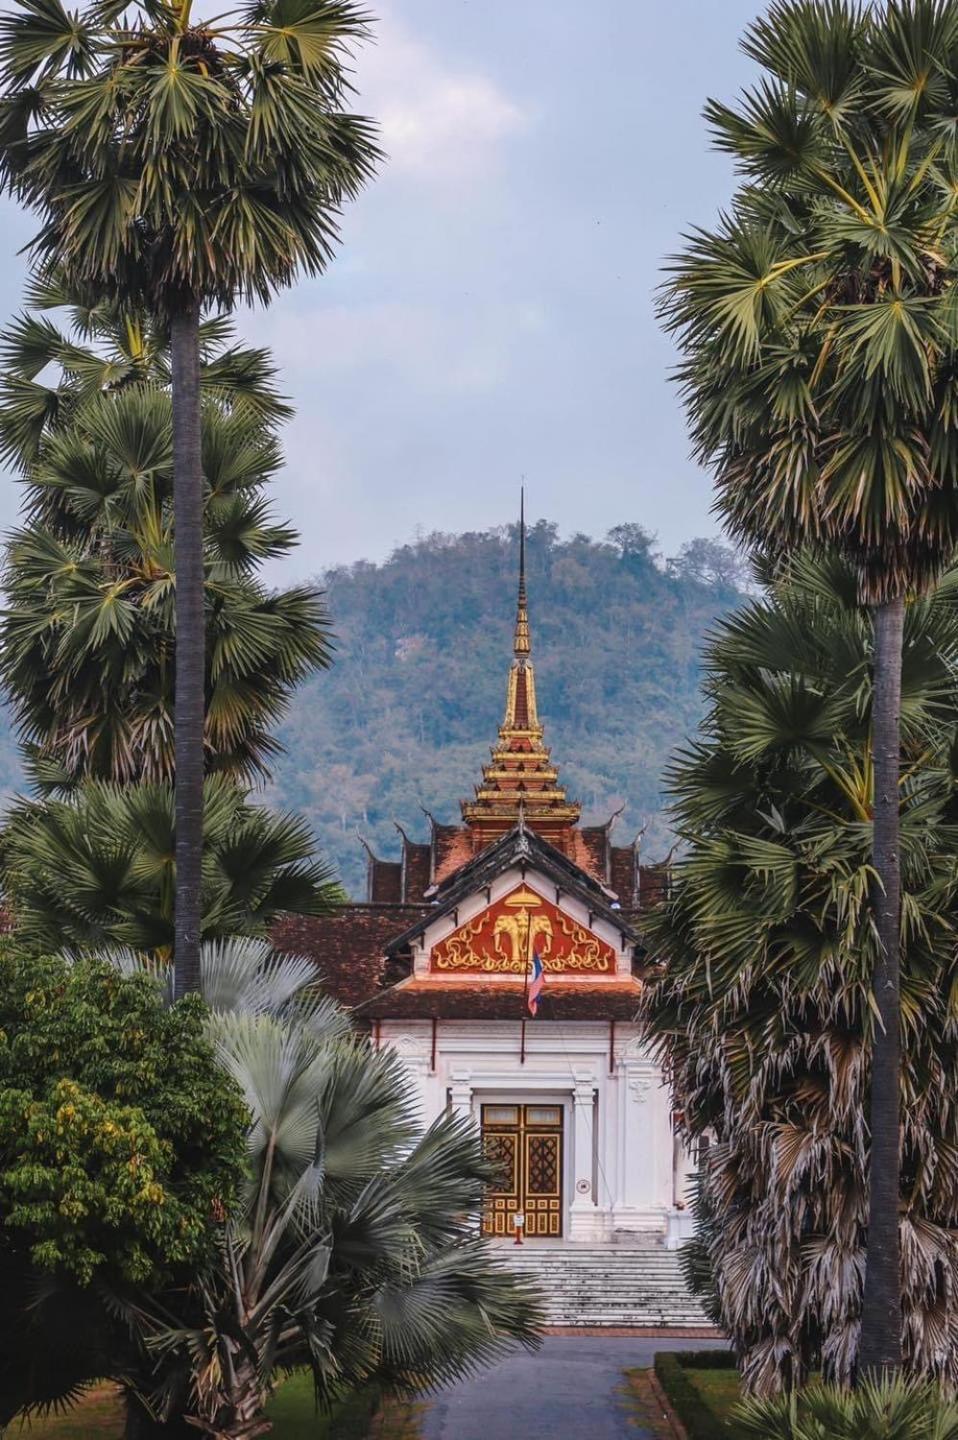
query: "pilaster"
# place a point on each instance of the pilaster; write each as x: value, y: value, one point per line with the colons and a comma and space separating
x: 460, y: 1093
x: 643, y: 1135
x: 586, y: 1220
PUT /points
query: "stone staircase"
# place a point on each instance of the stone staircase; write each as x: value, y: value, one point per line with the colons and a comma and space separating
x: 592, y: 1286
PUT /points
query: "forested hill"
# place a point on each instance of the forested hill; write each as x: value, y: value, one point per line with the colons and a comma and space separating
x: 406, y: 716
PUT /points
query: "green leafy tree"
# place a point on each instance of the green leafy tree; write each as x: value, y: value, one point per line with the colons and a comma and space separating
x: 88, y: 635
x: 119, y: 1135
x: 817, y: 330
x: 98, y: 868
x: 762, y: 1009
x: 712, y: 563
x: 121, y: 1153
x: 182, y: 165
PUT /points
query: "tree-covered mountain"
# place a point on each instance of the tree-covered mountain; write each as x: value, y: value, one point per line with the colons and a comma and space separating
x: 408, y: 712
x: 406, y: 716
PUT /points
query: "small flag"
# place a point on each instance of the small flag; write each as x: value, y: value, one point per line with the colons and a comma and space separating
x: 537, y: 980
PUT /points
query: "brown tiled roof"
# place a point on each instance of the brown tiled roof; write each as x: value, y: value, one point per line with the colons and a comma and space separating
x: 622, y: 873
x: 653, y: 885
x: 349, y: 946
x: 400, y: 882
x: 384, y: 881
x: 452, y: 848
x: 592, y: 851
x: 417, y: 863
x: 428, y: 1000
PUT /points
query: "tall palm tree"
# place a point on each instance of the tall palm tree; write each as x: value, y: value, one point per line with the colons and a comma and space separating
x: 817, y: 330
x: 183, y: 165
x: 71, y: 345
x: 761, y: 1011
x: 87, y: 638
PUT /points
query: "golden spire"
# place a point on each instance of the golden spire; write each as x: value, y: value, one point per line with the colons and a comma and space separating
x: 522, y: 644
x: 521, y: 783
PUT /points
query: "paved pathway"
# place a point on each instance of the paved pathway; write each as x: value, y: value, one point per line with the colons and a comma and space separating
x: 570, y: 1389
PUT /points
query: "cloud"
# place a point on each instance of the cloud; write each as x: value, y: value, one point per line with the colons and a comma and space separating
x: 440, y: 123
x: 418, y: 345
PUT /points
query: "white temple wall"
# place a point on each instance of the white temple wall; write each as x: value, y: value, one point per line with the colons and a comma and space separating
x: 618, y: 1152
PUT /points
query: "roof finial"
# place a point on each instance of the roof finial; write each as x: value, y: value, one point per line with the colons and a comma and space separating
x: 522, y: 645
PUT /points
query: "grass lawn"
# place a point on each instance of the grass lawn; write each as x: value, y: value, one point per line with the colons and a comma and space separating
x: 703, y: 1390
x: 98, y: 1414
x: 719, y: 1389
x: 292, y: 1411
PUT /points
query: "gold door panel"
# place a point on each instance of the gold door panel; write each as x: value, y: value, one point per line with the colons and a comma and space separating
x: 502, y: 1202
x: 542, y: 1200
x: 524, y: 1142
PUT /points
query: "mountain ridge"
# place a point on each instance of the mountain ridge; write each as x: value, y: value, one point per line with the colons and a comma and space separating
x: 409, y: 711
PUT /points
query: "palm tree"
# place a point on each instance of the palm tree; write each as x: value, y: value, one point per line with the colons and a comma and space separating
x: 817, y: 332
x: 98, y: 868
x: 70, y: 346
x: 182, y: 165
x: 761, y: 1013
x: 356, y: 1251
x: 87, y: 639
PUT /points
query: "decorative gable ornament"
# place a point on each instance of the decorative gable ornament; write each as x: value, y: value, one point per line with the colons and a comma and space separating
x: 502, y: 938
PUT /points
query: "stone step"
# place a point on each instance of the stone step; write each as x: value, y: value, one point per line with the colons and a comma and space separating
x: 609, y: 1285
x: 657, y: 1292
x: 647, y: 1315
x: 651, y: 1260
x: 612, y: 1277
x: 572, y: 1267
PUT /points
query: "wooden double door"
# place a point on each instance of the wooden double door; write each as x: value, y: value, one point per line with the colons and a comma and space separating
x: 524, y: 1143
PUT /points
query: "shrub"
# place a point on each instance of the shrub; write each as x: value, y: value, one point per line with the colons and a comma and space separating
x: 893, y: 1410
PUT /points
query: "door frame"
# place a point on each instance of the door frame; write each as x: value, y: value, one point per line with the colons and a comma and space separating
x: 561, y: 1102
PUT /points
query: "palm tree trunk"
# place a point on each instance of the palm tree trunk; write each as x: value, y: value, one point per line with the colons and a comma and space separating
x: 140, y: 1425
x: 880, y: 1348
x: 243, y: 1416
x: 190, y: 645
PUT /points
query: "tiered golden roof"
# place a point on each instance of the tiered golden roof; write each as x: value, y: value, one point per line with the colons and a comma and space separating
x: 521, y: 781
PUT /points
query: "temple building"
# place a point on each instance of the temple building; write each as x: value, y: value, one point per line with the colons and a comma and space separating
x: 438, y: 964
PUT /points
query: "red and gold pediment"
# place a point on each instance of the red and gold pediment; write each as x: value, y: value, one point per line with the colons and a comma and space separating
x: 500, y: 939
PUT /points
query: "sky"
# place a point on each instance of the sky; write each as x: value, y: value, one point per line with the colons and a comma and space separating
x: 489, y: 315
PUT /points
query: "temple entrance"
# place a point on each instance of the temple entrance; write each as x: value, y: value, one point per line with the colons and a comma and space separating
x: 524, y: 1142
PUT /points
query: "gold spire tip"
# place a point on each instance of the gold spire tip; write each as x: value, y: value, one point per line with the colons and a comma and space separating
x: 522, y: 644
